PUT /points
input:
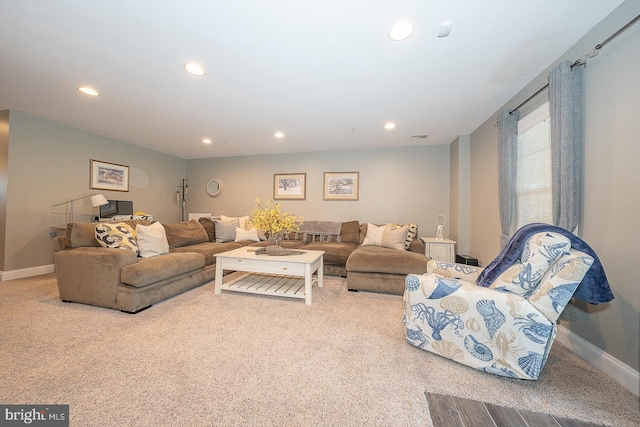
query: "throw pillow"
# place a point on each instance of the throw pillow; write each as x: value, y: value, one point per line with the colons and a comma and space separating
x: 394, y: 236
x: 240, y: 221
x: 152, y: 240
x: 374, y: 235
x: 116, y: 235
x: 412, y: 234
x: 185, y: 233
x: 209, y: 227
x: 225, y: 231
x: 242, y: 234
x: 249, y: 225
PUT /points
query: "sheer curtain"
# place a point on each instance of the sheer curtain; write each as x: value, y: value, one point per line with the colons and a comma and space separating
x: 565, y: 99
x: 507, y: 169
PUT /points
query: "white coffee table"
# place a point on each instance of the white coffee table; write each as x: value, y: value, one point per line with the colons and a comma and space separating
x: 288, y: 276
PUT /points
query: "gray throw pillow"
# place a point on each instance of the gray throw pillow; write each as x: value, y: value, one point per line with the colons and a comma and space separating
x: 225, y: 231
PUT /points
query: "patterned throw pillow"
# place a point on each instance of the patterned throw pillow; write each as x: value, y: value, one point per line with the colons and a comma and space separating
x: 374, y: 235
x: 412, y: 234
x: 119, y: 236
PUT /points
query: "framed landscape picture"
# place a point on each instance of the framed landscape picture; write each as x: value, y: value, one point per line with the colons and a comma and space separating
x: 289, y: 186
x: 109, y: 176
x: 341, y: 185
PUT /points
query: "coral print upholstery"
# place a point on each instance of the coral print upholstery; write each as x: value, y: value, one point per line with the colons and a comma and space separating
x: 507, y: 328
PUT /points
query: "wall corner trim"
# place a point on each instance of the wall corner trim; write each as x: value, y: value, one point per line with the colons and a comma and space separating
x: 620, y: 372
x: 27, y: 272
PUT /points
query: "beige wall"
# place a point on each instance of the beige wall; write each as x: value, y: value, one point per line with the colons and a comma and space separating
x: 49, y: 163
x: 610, y: 212
x: 406, y: 184
x: 459, y: 197
x: 4, y: 173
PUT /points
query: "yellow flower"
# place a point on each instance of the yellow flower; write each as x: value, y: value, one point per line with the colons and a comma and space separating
x: 272, y: 221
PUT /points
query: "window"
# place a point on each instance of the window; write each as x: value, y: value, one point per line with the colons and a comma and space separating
x: 533, y: 183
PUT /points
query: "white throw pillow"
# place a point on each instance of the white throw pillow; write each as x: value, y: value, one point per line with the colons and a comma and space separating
x: 394, y: 236
x: 374, y: 235
x: 251, y: 235
x: 240, y: 221
x: 152, y: 240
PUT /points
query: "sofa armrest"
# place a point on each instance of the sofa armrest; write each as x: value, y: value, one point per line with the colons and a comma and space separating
x: 466, y: 272
x: 59, y: 244
x: 91, y: 275
x: 417, y: 246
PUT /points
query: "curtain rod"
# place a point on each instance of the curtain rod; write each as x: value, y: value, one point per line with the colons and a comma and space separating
x: 583, y: 59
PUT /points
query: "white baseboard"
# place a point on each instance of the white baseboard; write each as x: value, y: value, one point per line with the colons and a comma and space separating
x: 620, y: 372
x: 27, y: 272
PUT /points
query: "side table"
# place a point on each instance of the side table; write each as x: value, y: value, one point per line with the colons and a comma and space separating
x: 440, y: 250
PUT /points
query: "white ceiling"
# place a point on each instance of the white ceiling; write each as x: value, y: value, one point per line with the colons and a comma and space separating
x: 324, y: 72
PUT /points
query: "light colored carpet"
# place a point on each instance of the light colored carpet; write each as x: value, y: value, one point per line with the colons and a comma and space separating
x: 240, y: 359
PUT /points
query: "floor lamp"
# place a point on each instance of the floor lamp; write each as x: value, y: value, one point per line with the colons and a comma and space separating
x: 96, y: 200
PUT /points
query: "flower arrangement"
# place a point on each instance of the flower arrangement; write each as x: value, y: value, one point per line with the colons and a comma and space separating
x: 274, y: 223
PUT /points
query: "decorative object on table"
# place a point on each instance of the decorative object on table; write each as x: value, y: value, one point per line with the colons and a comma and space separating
x: 96, y: 200
x: 290, y: 186
x: 341, y: 185
x: 109, y: 176
x: 440, y: 222
x: 278, y: 251
x: 181, y: 196
x: 214, y: 187
x: 273, y: 222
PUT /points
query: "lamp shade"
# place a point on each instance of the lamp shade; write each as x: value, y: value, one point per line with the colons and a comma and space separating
x: 98, y: 200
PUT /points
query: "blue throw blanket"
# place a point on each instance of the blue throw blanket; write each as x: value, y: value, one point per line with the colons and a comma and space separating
x: 594, y: 287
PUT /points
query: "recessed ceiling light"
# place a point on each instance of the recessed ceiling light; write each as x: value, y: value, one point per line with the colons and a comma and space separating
x: 401, y: 30
x: 279, y: 135
x: 206, y: 141
x: 89, y: 91
x: 194, y: 69
x: 390, y: 125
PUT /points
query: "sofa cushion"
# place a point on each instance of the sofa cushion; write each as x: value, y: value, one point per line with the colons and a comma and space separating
x: 185, y: 233
x: 209, y: 227
x: 350, y: 232
x: 152, y: 240
x: 116, y: 236
x: 334, y: 253
x: 208, y: 249
x: 375, y: 259
x: 151, y: 270
x: 80, y: 235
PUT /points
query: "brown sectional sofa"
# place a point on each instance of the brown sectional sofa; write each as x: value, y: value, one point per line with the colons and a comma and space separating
x: 115, y: 278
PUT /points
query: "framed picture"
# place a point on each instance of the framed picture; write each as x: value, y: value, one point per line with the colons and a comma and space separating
x: 289, y: 186
x: 341, y: 185
x: 109, y: 176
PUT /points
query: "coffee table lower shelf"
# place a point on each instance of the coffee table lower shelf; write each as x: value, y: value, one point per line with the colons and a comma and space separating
x: 267, y: 284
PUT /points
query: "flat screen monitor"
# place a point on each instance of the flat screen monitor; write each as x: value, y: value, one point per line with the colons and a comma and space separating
x: 116, y: 207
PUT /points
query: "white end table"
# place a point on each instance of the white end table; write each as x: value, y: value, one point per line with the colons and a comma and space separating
x: 439, y: 250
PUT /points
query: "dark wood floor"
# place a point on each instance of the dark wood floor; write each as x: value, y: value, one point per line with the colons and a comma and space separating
x: 450, y: 411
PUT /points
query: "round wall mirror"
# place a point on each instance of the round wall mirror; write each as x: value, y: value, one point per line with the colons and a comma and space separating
x: 214, y: 187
